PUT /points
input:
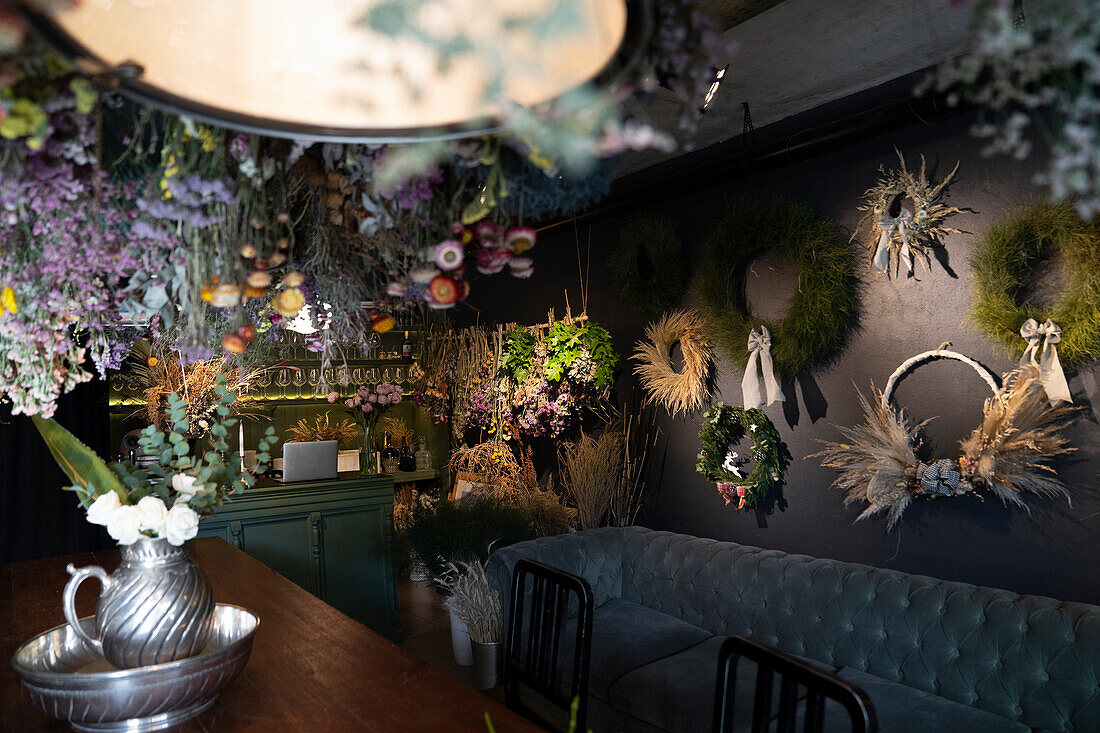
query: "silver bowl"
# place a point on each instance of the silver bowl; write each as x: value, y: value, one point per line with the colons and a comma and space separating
x: 68, y: 679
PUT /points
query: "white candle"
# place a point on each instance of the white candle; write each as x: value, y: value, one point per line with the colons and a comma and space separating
x: 240, y: 437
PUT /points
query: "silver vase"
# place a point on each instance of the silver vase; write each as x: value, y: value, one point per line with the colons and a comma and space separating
x: 155, y: 607
x: 488, y: 663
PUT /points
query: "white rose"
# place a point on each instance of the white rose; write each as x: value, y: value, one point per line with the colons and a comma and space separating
x: 103, y: 507
x: 124, y: 525
x: 151, y: 513
x: 181, y: 524
x: 186, y: 485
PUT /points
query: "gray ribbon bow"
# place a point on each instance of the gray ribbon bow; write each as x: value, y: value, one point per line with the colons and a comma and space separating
x: 1051, y: 375
x: 754, y: 385
x: 888, y: 225
x: 941, y: 477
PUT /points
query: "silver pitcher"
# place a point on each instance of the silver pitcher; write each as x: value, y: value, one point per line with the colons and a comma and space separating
x: 155, y: 607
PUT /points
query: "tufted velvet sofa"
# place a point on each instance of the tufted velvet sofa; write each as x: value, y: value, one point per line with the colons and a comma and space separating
x: 934, y: 656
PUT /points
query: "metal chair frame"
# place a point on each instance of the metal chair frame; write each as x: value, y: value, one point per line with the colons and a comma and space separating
x: 792, y: 673
x: 531, y: 656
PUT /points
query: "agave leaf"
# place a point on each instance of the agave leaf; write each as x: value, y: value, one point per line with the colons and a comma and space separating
x: 84, y: 468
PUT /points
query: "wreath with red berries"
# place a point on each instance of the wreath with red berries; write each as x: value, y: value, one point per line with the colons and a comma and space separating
x: 724, y: 428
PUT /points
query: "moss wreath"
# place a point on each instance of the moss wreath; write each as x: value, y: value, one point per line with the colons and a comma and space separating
x: 725, y: 425
x: 1003, y: 264
x: 681, y: 391
x: 647, y: 268
x: 823, y: 307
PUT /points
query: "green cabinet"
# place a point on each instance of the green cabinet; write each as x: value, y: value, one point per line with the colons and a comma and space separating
x: 333, y: 538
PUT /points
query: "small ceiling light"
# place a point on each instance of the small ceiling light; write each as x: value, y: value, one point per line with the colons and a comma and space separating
x: 349, y: 70
x: 719, y: 74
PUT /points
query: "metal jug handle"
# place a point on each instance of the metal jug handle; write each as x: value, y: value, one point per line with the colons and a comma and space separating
x: 68, y: 599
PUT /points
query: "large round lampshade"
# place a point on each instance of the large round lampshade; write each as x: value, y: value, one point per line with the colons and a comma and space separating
x: 318, y: 69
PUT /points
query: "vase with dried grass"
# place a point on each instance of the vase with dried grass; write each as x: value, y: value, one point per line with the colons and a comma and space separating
x: 473, y: 601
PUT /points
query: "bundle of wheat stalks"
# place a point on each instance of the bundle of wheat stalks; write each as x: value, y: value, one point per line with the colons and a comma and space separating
x: 474, y: 600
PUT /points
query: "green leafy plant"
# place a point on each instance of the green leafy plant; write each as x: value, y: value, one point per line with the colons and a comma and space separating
x: 203, y: 480
x: 519, y: 346
x: 464, y: 531
x: 568, y: 342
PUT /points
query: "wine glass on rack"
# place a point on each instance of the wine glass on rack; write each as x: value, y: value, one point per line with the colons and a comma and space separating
x: 372, y: 346
x: 282, y: 380
x: 299, y: 380
x: 386, y: 376
x: 313, y: 378
x: 263, y: 380
x: 372, y: 375
x: 399, y: 375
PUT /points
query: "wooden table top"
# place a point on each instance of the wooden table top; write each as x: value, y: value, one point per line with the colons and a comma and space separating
x: 312, y: 668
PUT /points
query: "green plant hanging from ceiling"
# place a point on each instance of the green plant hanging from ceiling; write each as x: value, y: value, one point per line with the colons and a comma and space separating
x: 824, y: 305
x: 647, y: 264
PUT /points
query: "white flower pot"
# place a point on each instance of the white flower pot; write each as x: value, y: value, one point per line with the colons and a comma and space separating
x: 460, y: 642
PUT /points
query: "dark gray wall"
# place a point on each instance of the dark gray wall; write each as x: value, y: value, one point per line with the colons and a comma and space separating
x: 1049, y: 551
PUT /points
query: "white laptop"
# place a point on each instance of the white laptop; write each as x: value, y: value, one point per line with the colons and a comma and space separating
x: 310, y: 461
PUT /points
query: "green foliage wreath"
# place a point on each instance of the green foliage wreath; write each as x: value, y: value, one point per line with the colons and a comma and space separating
x: 824, y: 305
x: 647, y: 264
x: 727, y: 425
x: 1003, y: 265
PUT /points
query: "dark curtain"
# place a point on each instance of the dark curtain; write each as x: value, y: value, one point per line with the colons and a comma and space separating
x: 37, y: 518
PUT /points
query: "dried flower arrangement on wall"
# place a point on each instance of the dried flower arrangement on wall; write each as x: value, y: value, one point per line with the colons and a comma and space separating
x: 1007, y: 455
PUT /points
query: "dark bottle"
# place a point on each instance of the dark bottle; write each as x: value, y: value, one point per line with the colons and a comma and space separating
x: 408, y: 460
x: 389, y: 450
x: 407, y: 348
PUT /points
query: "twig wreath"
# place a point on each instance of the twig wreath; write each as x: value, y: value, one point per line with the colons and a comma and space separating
x: 1003, y: 265
x: 824, y: 305
x: 724, y: 426
x: 899, y: 234
x: 1006, y: 455
x: 647, y: 268
x: 681, y: 391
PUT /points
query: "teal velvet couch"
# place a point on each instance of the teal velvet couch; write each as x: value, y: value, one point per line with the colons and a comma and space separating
x: 932, y: 655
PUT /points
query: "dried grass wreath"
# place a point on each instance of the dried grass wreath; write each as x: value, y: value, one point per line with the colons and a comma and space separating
x: 1006, y: 455
x: 682, y: 391
x: 898, y: 234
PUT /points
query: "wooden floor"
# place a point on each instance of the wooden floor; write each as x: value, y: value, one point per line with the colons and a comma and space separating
x: 426, y: 628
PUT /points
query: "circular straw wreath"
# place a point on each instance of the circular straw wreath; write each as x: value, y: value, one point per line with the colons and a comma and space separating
x: 824, y: 305
x: 647, y: 268
x: 1003, y: 265
x: 681, y: 391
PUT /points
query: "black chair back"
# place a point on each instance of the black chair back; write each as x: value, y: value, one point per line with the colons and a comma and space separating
x: 793, y: 674
x: 545, y: 603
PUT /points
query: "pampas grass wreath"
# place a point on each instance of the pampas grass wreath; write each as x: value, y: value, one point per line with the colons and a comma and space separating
x: 683, y: 391
x: 647, y: 268
x: 824, y: 305
x: 1003, y: 265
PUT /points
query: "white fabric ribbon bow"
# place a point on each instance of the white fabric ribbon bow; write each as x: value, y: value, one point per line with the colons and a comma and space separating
x: 1051, y: 375
x: 753, y: 385
x: 888, y: 225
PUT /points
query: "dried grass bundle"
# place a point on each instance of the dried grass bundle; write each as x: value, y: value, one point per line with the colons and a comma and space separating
x: 878, y: 462
x: 682, y: 391
x: 322, y: 428
x: 474, y: 600
x: 158, y: 373
x: 591, y: 474
x: 399, y: 430
x: 496, y: 465
x: 640, y: 437
x: 1020, y: 431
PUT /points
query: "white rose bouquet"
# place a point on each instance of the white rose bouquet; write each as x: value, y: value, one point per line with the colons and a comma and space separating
x: 165, y: 500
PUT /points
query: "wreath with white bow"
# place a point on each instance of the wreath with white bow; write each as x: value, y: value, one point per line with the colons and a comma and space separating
x: 724, y: 427
x: 1069, y: 330
x: 899, y: 233
x: 822, y: 309
x: 1007, y: 455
